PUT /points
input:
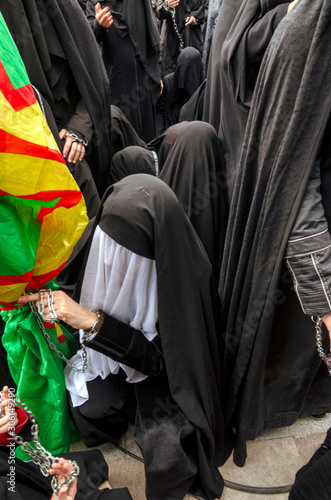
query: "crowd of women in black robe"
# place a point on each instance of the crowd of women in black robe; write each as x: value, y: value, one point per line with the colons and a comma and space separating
x: 240, y: 185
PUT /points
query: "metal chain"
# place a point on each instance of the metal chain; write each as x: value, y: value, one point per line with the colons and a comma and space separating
x: 41, y: 457
x: 325, y: 357
x: 53, y: 346
x: 179, y: 36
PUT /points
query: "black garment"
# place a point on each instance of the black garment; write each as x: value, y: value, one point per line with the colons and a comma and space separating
x: 191, y: 35
x: 213, y: 11
x: 162, y: 144
x: 64, y: 63
x: 122, y: 132
x: 182, y: 84
x: 131, y: 53
x: 272, y: 371
x: 143, y: 214
x: 313, y: 481
x: 242, y: 34
x: 193, y: 109
x: 30, y: 484
x: 133, y: 160
x: 80, y: 170
x: 195, y: 171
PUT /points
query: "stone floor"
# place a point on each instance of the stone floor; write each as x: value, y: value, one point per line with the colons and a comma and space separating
x: 272, y: 461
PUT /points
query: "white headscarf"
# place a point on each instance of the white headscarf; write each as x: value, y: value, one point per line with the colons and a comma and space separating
x: 123, y: 285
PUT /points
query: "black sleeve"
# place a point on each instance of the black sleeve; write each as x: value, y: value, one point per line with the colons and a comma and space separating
x: 128, y: 346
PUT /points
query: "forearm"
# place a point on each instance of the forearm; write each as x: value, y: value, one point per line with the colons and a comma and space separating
x: 308, y: 253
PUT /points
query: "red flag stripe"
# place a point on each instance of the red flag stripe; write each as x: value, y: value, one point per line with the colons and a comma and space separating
x: 15, y: 279
x: 18, y: 98
x: 10, y: 143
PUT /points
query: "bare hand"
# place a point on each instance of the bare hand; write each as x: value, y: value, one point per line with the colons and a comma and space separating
x: 291, y: 5
x: 162, y: 87
x: 173, y: 3
x: 75, y: 149
x: 190, y: 21
x: 9, y: 421
x: 327, y: 322
x: 67, y: 310
x: 63, y: 469
x: 103, y: 16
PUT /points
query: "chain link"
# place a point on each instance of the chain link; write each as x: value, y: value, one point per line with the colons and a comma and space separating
x: 53, y: 346
x: 325, y: 357
x: 41, y: 457
x: 179, y: 36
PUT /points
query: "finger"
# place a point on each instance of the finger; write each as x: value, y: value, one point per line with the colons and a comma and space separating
x: 24, y: 299
x: 97, y: 8
x: 73, y: 152
x: 67, y: 146
x: 82, y: 154
x: 62, y: 133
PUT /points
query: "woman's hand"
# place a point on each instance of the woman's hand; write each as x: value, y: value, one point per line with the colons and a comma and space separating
x: 9, y: 421
x: 190, y: 21
x: 327, y: 322
x: 103, y: 16
x: 62, y: 469
x: 66, y: 309
x: 173, y: 3
x: 75, y: 149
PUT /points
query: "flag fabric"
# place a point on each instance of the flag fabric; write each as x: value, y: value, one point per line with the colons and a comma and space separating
x: 42, y: 215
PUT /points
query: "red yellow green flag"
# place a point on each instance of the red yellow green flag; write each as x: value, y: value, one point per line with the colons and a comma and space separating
x: 42, y: 215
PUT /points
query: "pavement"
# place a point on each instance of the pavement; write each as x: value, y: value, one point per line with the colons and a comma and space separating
x: 272, y: 461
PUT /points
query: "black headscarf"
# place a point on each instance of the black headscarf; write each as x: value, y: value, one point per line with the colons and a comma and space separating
x: 162, y: 144
x: 187, y: 77
x: 228, y: 96
x: 270, y: 363
x: 122, y: 132
x: 57, y: 45
x: 132, y: 160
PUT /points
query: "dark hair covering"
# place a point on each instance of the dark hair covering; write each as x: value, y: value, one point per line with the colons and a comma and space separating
x: 122, y: 132
x: 162, y: 143
x: 56, y: 43
x: 143, y: 214
x: 187, y: 77
x: 132, y: 160
x: 271, y: 369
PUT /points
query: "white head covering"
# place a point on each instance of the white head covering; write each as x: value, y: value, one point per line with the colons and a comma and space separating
x: 123, y: 285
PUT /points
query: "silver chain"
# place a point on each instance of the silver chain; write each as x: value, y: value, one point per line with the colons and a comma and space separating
x: 41, y: 457
x: 179, y: 36
x: 325, y: 357
x: 53, y: 346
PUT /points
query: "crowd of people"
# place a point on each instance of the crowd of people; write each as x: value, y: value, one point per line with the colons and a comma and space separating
x: 199, y: 135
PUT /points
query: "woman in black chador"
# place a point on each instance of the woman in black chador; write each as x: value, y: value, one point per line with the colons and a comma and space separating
x: 149, y: 277
x: 130, y: 45
x: 243, y: 31
x: 181, y: 27
x: 281, y: 214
